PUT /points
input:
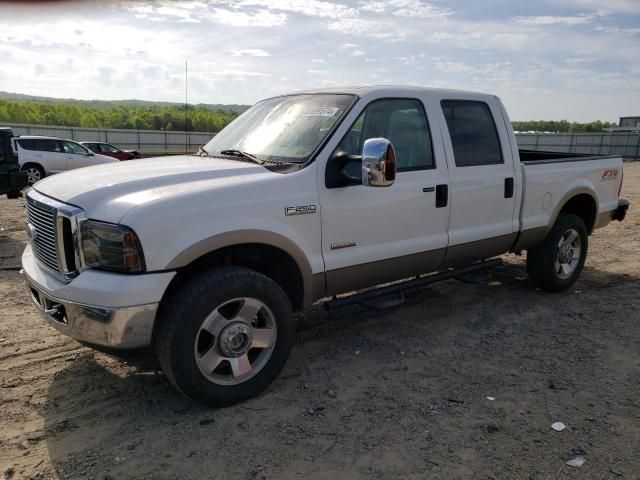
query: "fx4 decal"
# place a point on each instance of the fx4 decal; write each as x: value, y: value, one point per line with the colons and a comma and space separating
x: 610, y: 174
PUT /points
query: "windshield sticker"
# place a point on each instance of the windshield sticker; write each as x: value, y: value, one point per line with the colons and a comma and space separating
x: 321, y: 111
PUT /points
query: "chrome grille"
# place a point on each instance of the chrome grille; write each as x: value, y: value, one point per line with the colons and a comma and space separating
x: 44, y: 239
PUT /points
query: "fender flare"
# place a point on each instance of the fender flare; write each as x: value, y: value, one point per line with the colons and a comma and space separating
x: 566, y: 198
x: 313, y: 285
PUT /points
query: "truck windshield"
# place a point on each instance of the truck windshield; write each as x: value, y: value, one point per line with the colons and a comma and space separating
x: 285, y: 129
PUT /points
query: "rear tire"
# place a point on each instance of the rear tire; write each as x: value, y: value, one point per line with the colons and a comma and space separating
x: 556, y: 264
x: 224, y: 335
x: 34, y: 172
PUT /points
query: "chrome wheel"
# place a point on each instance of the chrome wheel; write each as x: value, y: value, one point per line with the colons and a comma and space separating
x: 235, y: 341
x: 569, y: 249
x: 33, y: 175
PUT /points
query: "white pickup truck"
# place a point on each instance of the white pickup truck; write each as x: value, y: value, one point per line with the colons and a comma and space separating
x: 303, y: 197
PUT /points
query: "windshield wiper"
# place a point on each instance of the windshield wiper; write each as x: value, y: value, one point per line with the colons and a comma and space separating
x: 202, y: 151
x: 240, y: 153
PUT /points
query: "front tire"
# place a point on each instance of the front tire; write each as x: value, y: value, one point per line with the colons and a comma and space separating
x: 224, y: 335
x: 556, y: 264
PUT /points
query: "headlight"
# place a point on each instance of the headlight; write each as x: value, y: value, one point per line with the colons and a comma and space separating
x: 111, y: 247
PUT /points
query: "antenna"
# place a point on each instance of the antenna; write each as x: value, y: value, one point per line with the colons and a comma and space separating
x: 186, y: 106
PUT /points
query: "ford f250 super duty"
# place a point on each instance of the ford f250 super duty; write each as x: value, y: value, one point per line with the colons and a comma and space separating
x: 206, y: 257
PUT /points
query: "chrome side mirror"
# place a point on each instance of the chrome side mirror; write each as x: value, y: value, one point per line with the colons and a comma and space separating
x: 378, y: 163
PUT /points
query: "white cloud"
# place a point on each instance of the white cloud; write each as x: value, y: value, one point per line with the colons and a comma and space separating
x: 250, y: 52
x: 580, y: 19
x: 580, y: 60
x: 624, y: 6
x: 419, y: 9
x: 366, y: 28
x: 312, y: 8
x: 453, y: 67
x: 624, y: 31
x: 239, y: 18
x: 372, y: 6
x: 358, y: 53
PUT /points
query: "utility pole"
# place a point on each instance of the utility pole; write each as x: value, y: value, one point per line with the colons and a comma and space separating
x: 186, y: 106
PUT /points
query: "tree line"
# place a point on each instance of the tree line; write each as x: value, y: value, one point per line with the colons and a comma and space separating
x: 114, y: 115
x: 560, y: 126
x: 199, y: 118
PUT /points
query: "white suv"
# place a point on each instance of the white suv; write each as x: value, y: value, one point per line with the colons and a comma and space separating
x: 41, y: 156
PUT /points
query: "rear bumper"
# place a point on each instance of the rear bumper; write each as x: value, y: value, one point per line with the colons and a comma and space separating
x: 621, y: 211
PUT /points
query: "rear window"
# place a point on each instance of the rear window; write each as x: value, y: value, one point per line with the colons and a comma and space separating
x: 474, y: 136
x: 40, y: 144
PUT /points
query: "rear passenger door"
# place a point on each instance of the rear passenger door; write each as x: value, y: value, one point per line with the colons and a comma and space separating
x: 483, y: 219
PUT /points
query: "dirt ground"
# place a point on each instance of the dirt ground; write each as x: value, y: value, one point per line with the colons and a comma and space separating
x: 394, y: 394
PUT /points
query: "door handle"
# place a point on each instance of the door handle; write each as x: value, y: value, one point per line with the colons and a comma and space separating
x: 508, y: 187
x: 442, y: 195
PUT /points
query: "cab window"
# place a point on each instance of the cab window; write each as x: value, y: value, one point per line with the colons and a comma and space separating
x: 474, y: 136
x: 401, y: 121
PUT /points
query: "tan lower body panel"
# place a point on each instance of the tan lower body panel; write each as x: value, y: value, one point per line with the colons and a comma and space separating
x: 530, y: 238
x: 478, y: 250
x: 603, y: 219
x: 365, y: 275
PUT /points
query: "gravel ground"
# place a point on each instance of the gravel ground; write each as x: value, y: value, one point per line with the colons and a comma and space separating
x: 395, y: 394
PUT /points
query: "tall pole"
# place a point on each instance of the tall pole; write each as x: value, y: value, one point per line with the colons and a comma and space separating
x: 186, y: 106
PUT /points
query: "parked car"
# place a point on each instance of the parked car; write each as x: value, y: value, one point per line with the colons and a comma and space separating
x: 12, y: 180
x: 111, y: 151
x: 302, y: 198
x: 41, y: 156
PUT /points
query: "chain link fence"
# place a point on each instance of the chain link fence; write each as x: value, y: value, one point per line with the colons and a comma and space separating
x: 160, y: 142
x: 147, y: 142
x: 626, y: 145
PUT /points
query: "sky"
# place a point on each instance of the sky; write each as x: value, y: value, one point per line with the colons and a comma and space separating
x: 547, y: 59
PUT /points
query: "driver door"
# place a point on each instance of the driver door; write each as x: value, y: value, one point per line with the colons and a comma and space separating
x: 372, y: 235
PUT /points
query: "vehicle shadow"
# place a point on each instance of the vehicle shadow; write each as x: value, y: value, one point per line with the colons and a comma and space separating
x: 99, y: 407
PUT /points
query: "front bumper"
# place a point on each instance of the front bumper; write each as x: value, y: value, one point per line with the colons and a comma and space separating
x: 621, y: 211
x: 110, y: 327
x: 104, y: 320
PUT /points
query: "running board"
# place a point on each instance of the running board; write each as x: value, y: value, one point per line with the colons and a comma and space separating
x: 364, y: 298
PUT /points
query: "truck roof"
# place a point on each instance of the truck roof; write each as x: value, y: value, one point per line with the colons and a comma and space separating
x: 394, y: 90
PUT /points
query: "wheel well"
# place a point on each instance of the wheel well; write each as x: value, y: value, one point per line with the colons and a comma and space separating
x: 28, y: 164
x: 271, y: 261
x: 584, y: 206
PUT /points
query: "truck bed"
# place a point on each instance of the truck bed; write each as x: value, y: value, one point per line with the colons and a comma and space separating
x: 534, y: 157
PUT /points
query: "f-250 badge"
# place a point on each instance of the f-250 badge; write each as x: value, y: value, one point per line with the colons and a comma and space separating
x: 300, y: 210
x: 610, y: 174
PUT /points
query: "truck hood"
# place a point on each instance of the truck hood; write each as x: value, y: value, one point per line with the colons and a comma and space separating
x: 107, y: 192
